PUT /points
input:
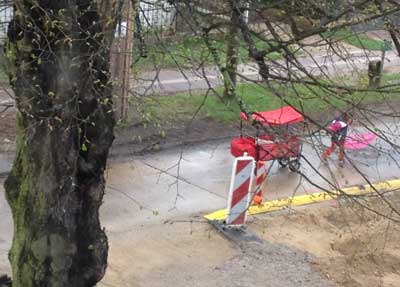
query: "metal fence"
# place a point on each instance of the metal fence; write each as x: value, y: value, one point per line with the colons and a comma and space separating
x: 6, y: 14
x: 157, y: 14
x: 163, y: 19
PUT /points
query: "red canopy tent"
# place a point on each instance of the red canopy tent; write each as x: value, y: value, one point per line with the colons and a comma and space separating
x: 281, y: 116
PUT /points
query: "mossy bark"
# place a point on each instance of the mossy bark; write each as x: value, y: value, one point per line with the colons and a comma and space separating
x: 374, y: 74
x: 59, y: 69
x: 395, y: 39
x: 232, y: 52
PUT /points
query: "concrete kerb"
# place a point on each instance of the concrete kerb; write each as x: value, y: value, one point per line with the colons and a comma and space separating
x: 279, y: 204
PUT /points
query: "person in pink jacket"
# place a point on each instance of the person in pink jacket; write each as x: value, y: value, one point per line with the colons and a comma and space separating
x: 338, y: 129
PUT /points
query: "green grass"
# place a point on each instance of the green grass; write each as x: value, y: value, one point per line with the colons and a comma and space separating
x: 191, y: 51
x: 354, y: 39
x: 312, y: 100
x: 3, y: 78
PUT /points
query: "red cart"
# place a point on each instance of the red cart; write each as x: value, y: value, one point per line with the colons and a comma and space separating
x: 278, y: 143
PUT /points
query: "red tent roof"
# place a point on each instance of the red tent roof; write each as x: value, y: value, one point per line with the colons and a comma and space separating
x: 282, y: 116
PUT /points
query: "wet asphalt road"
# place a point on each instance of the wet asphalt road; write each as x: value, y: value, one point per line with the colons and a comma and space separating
x: 179, y: 183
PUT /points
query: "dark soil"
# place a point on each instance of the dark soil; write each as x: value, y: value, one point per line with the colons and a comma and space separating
x: 135, y: 140
x: 136, y: 137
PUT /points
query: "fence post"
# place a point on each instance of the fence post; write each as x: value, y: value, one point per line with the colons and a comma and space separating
x: 6, y: 15
x: 121, y: 60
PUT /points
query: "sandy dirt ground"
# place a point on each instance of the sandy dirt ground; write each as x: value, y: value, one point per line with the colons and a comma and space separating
x: 318, y: 245
x: 352, y: 246
x: 194, y: 254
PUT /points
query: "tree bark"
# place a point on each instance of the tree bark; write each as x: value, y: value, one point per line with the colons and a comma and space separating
x: 395, y: 39
x: 59, y: 70
x: 374, y: 74
x: 232, y: 52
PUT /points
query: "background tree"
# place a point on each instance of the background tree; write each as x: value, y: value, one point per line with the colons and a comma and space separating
x: 58, y: 56
x: 232, y: 51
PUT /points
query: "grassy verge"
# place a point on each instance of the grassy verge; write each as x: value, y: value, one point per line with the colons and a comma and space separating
x: 357, y: 40
x: 4, y: 81
x: 312, y: 100
x: 191, y: 51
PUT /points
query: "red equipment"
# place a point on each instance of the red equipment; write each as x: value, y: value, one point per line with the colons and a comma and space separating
x: 279, y: 145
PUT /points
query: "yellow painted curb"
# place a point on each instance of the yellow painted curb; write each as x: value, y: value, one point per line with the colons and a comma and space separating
x: 310, y: 198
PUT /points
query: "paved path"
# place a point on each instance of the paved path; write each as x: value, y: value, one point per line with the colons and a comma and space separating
x: 173, y: 81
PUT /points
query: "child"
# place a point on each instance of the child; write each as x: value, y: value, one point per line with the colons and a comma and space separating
x: 338, y: 129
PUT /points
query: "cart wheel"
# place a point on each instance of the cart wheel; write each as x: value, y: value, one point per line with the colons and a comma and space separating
x: 283, y: 162
x: 294, y: 166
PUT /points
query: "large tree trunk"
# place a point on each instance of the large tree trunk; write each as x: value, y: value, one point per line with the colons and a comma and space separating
x: 59, y: 68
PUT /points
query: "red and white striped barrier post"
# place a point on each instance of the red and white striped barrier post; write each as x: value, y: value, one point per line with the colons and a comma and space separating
x: 239, y: 191
x: 261, y: 175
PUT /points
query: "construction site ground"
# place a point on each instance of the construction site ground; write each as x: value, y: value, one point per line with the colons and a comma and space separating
x: 317, y: 246
x: 153, y: 214
x: 320, y: 245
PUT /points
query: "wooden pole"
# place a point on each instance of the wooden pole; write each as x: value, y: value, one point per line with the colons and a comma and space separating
x: 127, y: 61
x: 122, y: 61
x: 116, y: 59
